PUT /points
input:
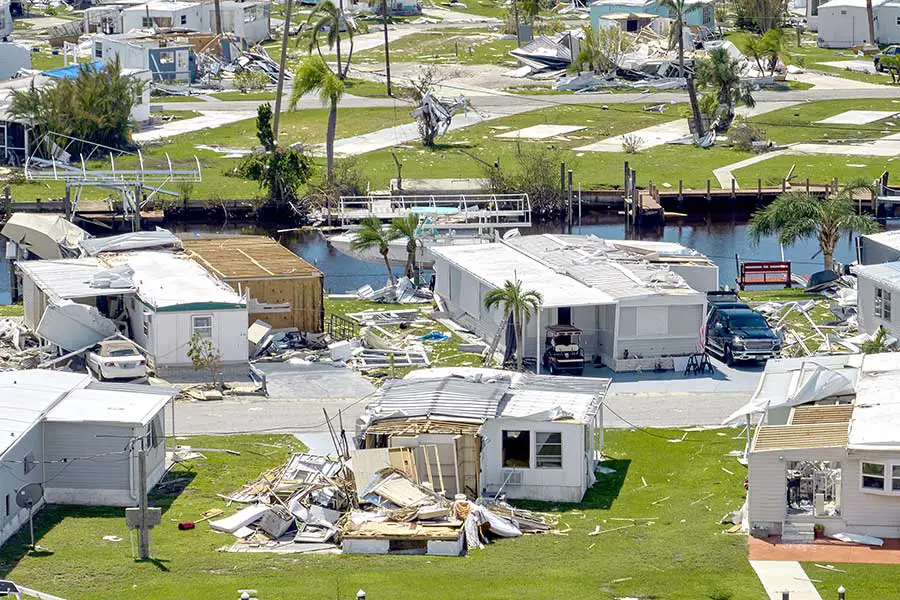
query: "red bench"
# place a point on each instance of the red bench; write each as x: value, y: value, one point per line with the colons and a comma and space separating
x: 764, y: 273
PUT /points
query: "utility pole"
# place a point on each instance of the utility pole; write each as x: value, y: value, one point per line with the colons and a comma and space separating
x: 281, y: 66
x: 218, y: 12
x: 387, y: 51
x: 144, y: 529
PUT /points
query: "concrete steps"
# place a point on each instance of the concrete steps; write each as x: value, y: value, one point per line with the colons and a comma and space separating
x: 798, y: 533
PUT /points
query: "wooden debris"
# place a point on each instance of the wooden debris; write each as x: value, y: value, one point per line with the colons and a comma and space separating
x: 727, y: 471
x: 598, y: 532
x: 699, y: 500
x: 830, y: 568
x: 660, y: 501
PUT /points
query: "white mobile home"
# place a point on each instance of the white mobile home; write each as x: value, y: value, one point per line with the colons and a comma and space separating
x: 635, y: 310
x: 828, y: 449
x: 845, y: 23
x: 168, y: 14
x: 887, y: 23
x: 878, y: 248
x: 482, y: 431
x: 878, y: 286
x: 163, y: 298
x: 248, y: 21
x: 78, y: 438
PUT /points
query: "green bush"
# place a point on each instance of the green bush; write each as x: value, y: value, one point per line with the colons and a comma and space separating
x: 246, y: 81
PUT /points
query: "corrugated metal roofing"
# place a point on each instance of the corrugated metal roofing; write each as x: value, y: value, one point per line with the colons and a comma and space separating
x: 495, y: 264
x: 887, y: 238
x: 68, y: 278
x: 876, y: 412
x: 25, y: 397
x: 887, y: 274
x: 601, y: 265
x: 90, y: 405
x: 440, y: 397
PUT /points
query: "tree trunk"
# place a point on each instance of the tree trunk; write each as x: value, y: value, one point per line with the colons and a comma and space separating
x: 516, y: 17
x: 695, y: 107
x: 387, y: 51
x: 870, y: 14
x: 387, y: 263
x: 680, y: 47
x: 520, y: 351
x: 411, y: 259
x: 329, y: 140
x: 828, y: 259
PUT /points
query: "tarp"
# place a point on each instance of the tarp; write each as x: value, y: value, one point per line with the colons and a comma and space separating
x: 45, y: 236
x: 138, y: 240
x: 73, y: 326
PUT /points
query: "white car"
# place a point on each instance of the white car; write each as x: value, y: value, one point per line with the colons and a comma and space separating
x: 116, y: 359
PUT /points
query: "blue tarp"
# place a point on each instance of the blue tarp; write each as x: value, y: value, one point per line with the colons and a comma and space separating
x: 71, y: 72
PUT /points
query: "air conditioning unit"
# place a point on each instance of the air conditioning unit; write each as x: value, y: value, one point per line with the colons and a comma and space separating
x: 512, y: 477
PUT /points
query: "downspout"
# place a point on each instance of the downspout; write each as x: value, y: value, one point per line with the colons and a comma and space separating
x: 131, y: 492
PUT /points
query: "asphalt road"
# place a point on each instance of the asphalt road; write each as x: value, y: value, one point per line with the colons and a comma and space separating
x: 667, y: 399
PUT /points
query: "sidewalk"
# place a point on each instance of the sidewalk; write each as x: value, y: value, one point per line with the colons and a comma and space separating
x: 785, y: 576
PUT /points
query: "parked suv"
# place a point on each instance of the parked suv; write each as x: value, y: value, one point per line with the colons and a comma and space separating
x: 889, y: 51
x: 736, y: 332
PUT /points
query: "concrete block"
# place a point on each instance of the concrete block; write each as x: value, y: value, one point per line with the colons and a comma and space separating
x: 445, y: 547
x: 362, y: 546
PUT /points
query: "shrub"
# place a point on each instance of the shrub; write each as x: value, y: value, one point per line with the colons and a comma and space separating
x: 632, y: 144
x: 743, y: 135
x: 246, y: 81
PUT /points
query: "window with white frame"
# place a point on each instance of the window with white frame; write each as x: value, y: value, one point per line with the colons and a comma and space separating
x: 202, y: 326
x: 98, y: 49
x: 883, y: 304
x: 184, y: 19
x: 898, y: 21
x: 147, y: 22
x: 873, y: 476
x: 548, y: 450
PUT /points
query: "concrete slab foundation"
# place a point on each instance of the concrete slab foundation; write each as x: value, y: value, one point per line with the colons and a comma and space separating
x: 540, y: 132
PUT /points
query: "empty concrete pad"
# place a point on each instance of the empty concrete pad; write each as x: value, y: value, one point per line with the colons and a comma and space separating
x: 657, y: 135
x: 785, y: 576
x: 860, y: 66
x: 857, y: 117
x: 540, y: 132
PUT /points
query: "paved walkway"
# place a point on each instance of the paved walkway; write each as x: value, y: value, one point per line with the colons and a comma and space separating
x: 206, y: 120
x: 785, y: 576
x: 824, y: 551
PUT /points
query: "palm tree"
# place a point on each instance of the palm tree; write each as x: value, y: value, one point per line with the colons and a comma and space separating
x: 408, y: 227
x: 372, y: 235
x: 313, y: 74
x: 328, y: 19
x: 519, y: 303
x: 722, y: 73
x: 798, y: 215
x: 870, y: 16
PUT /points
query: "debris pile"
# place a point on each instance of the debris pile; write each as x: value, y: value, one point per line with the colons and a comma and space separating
x: 404, y: 291
x: 19, y: 347
x: 319, y: 504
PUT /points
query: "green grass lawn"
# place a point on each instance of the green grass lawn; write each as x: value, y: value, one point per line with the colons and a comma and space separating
x: 12, y: 310
x: 307, y: 126
x: 239, y: 95
x: 465, y: 46
x: 683, y: 555
x: 164, y: 99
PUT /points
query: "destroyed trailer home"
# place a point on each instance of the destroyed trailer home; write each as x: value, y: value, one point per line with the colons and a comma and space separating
x: 640, y: 304
x: 78, y: 439
x: 486, y: 432
x: 249, y: 21
x: 160, y: 300
x: 698, y: 13
x: 314, y: 503
x: 827, y: 451
x: 283, y: 289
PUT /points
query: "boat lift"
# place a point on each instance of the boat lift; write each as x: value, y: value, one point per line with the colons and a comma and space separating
x: 469, y: 211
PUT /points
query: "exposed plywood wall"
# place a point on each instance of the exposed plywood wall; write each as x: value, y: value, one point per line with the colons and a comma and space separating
x: 304, y: 296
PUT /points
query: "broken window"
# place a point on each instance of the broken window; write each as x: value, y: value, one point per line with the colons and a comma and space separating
x: 548, y: 450
x: 813, y: 488
x: 873, y: 476
x: 30, y: 462
x: 883, y: 304
x: 202, y: 326
x: 166, y: 58
x: 517, y: 449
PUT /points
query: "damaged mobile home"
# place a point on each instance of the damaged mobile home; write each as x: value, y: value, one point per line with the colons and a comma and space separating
x: 640, y: 305
x: 70, y: 435
x: 827, y: 451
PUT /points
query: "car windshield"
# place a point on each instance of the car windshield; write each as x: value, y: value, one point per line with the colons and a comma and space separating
x: 747, y: 321
x: 123, y: 352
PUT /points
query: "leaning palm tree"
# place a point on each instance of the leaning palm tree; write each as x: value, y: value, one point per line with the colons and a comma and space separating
x: 372, y: 235
x: 313, y: 74
x: 722, y: 74
x: 677, y: 11
x: 519, y: 303
x: 408, y: 227
x: 799, y: 215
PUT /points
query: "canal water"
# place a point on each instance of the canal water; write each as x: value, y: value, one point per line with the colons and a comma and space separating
x: 719, y: 240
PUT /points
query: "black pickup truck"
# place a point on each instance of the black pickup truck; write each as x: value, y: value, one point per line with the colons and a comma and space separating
x: 736, y: 332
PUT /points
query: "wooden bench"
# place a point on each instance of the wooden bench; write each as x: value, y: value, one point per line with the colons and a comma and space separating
x: 764, y: 273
